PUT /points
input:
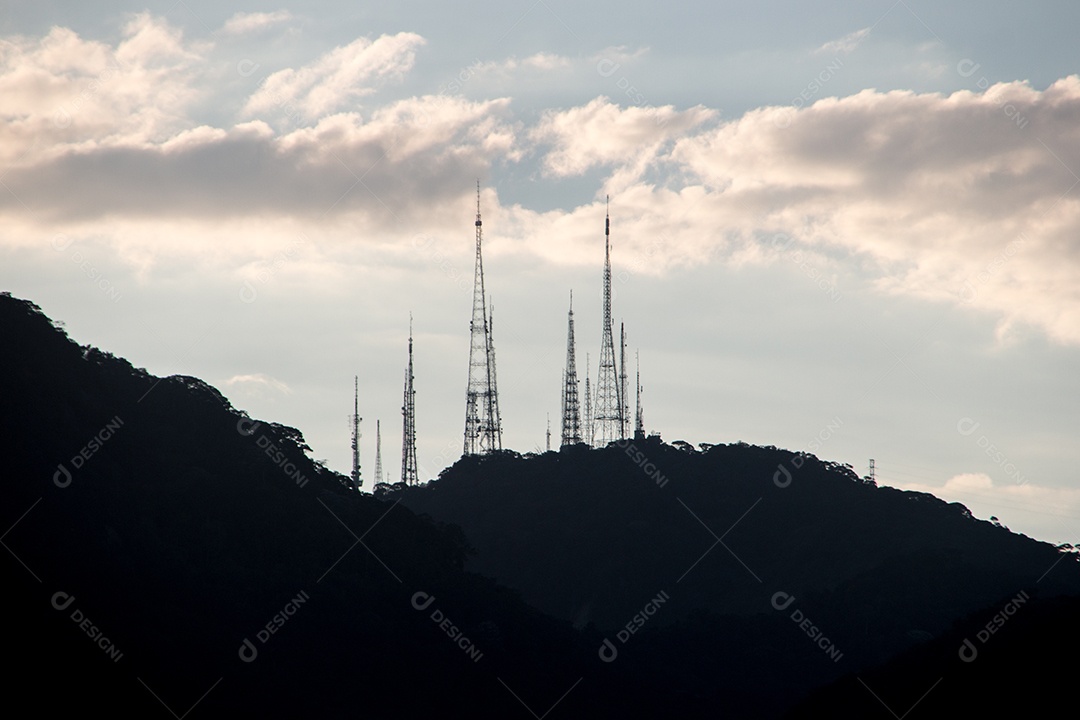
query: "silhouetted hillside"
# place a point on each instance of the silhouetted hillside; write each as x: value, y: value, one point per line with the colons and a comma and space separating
x: 586, y: 535
x: 166, y: 555
x: 591, y: 535
x: 1016, y: 659
x: 174, y: 528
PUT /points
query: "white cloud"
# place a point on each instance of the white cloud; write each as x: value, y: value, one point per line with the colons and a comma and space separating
x: 619, y: 54
x: 150, y: 41
x: 399, y: 165
x: 62, y: 91
x: 339, y: 78
x: 242, y: 23
x: 258, y: 381
x: 950, y: 198
x: 547, y: 61
x: 1052, y: 509
x: 603, y: 133
x: 508, y: 73
x: 844, y: 45
x: 127, y: 147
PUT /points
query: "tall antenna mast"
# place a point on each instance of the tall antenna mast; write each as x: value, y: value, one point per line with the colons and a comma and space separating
x: 587, y: 421
x: 494, y: 426
x: 549, y: 432
x: 357, y: 482
x: 483, y: 427
x: 571, y: 407
x: 408, y: 412
x: 607, y: 419
x: 639, y: 416
x: 378, y: 454
x: 624, y: 408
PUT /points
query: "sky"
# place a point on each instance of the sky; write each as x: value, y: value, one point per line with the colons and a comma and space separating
x: 848, y: 229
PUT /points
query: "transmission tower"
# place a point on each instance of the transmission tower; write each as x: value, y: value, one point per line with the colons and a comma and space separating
x: 586, y: 420
x: 873, y: 478
x: 549, y: 432
x: 378, y: 454
x: 571, y: 407
x: 495, y: 425
x: 639, y: 415
x: 408, y: 412
x: 357, y: 481
x: 608, y: 415
x: 483, y: 428
x: 624, y: 408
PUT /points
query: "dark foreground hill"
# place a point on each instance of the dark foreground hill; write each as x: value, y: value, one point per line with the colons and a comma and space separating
x: 589, y: 536
x: 776, y: 565
x: 165, y: 552
x: 166, y: 555
x: 1012, y: 660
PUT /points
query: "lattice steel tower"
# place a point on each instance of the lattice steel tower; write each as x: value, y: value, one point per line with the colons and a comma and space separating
x: 408, y: 412
x: 483, y: 427
x: 378, y: 454
x: 607, y: 418
x: 571, y: 407
x: 586, y: 420
x: 639, y: 415
x: 357, y: 481
x: 496, y: 423
x: 624, y: 409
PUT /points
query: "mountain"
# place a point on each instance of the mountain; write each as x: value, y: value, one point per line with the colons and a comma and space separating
x: 776, y: 564
x: 1016, y: 659
x: 167, y: 555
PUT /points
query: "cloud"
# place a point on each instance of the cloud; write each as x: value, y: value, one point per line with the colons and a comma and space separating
x: 844, y: 45
x: 257, y: 381
x: 62, y: 91
x: 1051, y: 508
x: 507, y: 75
x: 242, y: 23
x: 400, y: 164
x: 337, y: 79
x: 151, y: 41
x: 603, y: 133
x: 619, y: 54
x: 967, y: 198
x: 547, y: 61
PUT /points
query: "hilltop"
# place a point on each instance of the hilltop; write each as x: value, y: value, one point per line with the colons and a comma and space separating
x: 743, y: 540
